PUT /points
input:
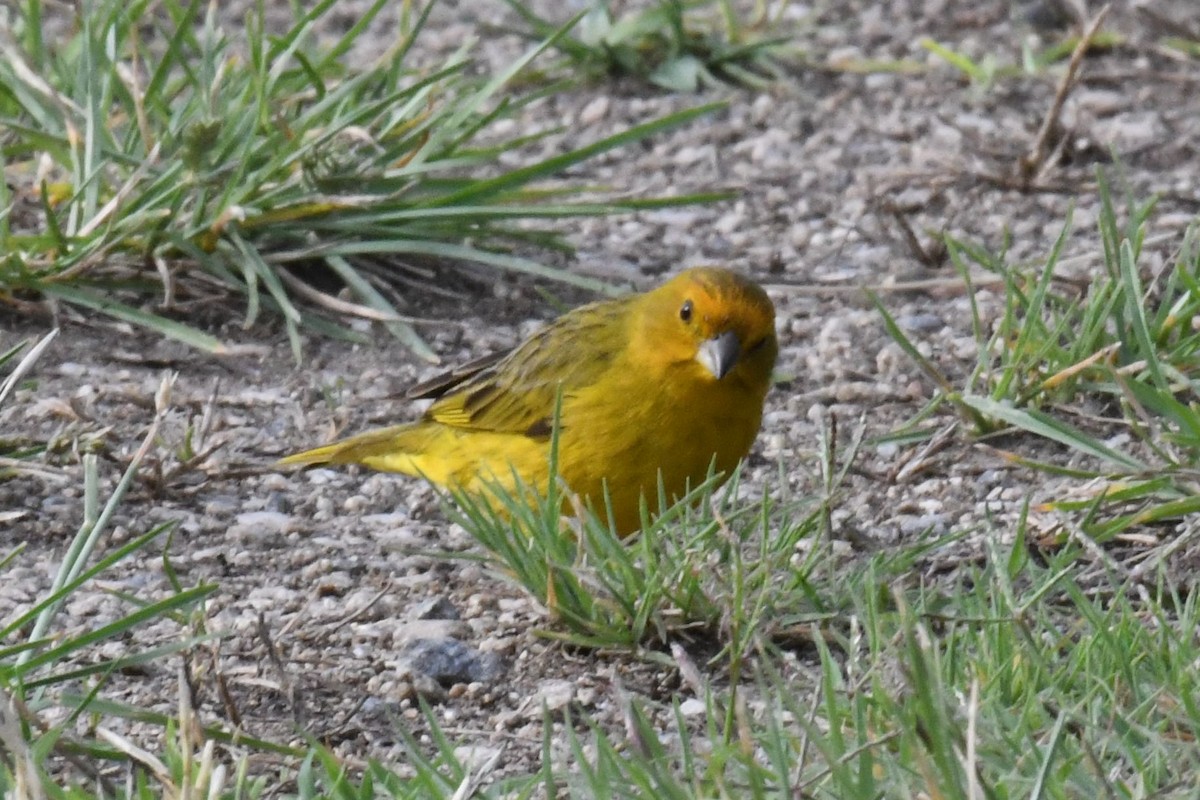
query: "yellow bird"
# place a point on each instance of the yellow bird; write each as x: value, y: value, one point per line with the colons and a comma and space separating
x: 659, y: 385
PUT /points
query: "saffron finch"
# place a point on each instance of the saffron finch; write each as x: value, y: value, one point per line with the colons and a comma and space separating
x: 664, y: 384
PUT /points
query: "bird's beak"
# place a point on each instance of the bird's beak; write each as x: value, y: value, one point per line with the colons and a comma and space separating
x: 720, y: 353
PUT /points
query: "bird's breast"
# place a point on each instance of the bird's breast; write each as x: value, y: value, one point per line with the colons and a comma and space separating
x: 626, y: 437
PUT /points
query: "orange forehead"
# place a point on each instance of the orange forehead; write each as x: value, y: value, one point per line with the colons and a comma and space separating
x: 724, y: 299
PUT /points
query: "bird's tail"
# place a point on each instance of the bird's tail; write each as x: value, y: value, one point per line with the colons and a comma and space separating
x: 394, y: 449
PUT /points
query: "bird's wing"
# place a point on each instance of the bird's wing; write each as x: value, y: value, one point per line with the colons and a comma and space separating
x: 518, y: 393
x: 445, y: 382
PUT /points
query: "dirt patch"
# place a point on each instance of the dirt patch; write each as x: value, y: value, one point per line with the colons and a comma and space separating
x: 326, y: 577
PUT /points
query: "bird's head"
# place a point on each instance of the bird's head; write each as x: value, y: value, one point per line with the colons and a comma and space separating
x: 714, y: 321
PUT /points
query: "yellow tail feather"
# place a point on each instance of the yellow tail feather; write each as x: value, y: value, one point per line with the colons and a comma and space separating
x: 391, y: 449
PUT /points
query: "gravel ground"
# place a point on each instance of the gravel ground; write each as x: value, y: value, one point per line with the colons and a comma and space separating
x: 327, y: 585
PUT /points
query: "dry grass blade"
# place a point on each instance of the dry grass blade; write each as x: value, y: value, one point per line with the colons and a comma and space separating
x: 473, y: 780
x: 25, y: 365
x: 140, y: 755
x: 28, y: 784
x: 1031, y: 166
x: 336, y: 304
x: 14, y: 712
x: 1158, y: 556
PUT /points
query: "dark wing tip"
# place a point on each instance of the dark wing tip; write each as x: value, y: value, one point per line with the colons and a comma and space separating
x: 444, y: 382
x: 540, y: 429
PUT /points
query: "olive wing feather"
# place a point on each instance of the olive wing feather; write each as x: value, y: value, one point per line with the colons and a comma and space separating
x: 517, y: 393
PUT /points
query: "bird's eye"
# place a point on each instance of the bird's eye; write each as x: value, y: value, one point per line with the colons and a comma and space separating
x: 685, y: 312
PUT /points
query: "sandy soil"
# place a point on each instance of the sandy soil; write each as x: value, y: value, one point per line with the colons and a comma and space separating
x: 843, y: 181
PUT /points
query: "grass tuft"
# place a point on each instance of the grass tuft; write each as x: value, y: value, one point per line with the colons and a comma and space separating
x: 1107, y: 370
x: 678, y: 45
x: 677, y: 577
x: 196, y: 161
